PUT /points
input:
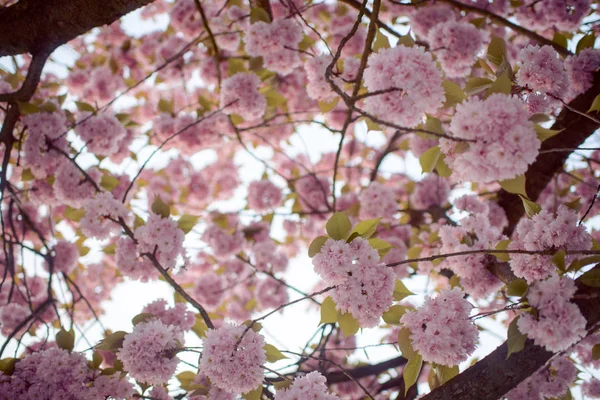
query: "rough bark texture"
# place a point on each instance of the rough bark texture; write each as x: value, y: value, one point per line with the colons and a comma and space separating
x: 494, y: 376
x: 577, y: 129
x: 34, y: 26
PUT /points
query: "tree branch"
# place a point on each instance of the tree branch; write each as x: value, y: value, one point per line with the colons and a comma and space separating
x: 495, y: 375
x: 33, y: 26
x: 575, y: 130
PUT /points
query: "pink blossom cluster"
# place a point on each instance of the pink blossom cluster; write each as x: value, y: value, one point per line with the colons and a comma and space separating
x: 441, y: 331
x: 429, y: 191
x: 45, y: 132
x: 161, y: 237
x: 318, y: 88
x: 378, y: 201
x: 64, y: 258
x: 263, y: 195
x: 591, y: 388
x: 542, y: 70
x: 474, y: 232
x: 552, y: 381
x: 187, y: 133
x: 424, y: 19
x: 100, y: 214
x: 224, y: 244
x: 209, y: 290
x: 545, y: 231
x: 550, y: 15
x: 73, y: 187
x: 130, y: 264
x: 214, y: 393
x: 558, y: 323
x: 413, y: 82
x: 232, y: 366
x: 581, y: 69
x: 176, y: 316
x: 502, y: 142
x: 456, y: 45
x: 55, y: 374
x: 148, y: 353
x: 271, y: 293
x: 276, y: 43
x: 365, y: 286
x: 310, y: 386
x: 267, y: 257
x: 12, y: 316
x: 102, y: 133
x: 313, y: 193
x: 240, y: 95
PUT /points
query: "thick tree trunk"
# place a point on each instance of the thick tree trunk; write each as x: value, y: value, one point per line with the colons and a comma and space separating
x: 34, y: 26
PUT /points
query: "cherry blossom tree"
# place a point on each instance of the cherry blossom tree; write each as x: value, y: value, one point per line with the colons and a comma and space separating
x: 465, y: 167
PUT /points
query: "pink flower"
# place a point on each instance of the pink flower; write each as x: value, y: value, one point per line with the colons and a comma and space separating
x: 233, y: 369
x: 176, y: 316
x: 441, y: 330
x: 377, y: 201
x: 542, y: 70
x: 503, y: 141
x: 65, y: 257
x: 148, y: 353
x: 102, y: 133
x: 240, y: 95
x: 456, y: 45
x: 100, y: 212
x: 161, y: 237
x: 309, y: 386
x: 263, y: 195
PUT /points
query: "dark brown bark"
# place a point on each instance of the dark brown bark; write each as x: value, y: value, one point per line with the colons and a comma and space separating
x: 494, y: 376
x: 577, y: 129
x: 34, y: 26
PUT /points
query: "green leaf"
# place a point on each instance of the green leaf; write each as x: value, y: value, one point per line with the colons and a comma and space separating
x: 187, y: 222
x: 329, y: 313
x: 326, y: 106
x: 200, y: 328
x: 274, y: 98
x: 560, y: 39
x: 273, y: 353
x: 109, y: 182
x: 502, y: 245
x: 531, y: 207
x: 516, y: 340
x: 445, y: 373
x: 574, y: 205
x: 496, y: 52
x: 393, y: 314
x: 160, y: 207
x: 259, y: 14
x: 143, y: 317
x: 412, y: 253
x: 381, y: 246
x: 7, y: 365
x: 338, y: 226
x: 400, y: 291
x: 502, y: 84
x: 405, y: 344
x: 586, y: 42
x: 85, y: 107
x: 411, y: 371
x: 186, y: 378
x: 429, y: 159
x: 315, y: 245
x: 596, y: 352
x: 348, y: 324
x: 65, y: 339
x: 27, y: 175
x: 442, y: 168
x: 381, y: 42
x: 74, y: 214
x: 543, y: 133
x: 559, y: 259
x: 595, y: 104
x: 235, y: 66
x: 477, y: 84
x: 282, y: 385
x: 517, y: 287
x: 112, y: 342
x: 515, y: 185
x: 454, y: 94
x: 591, y: 278
x: 364, y: 229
